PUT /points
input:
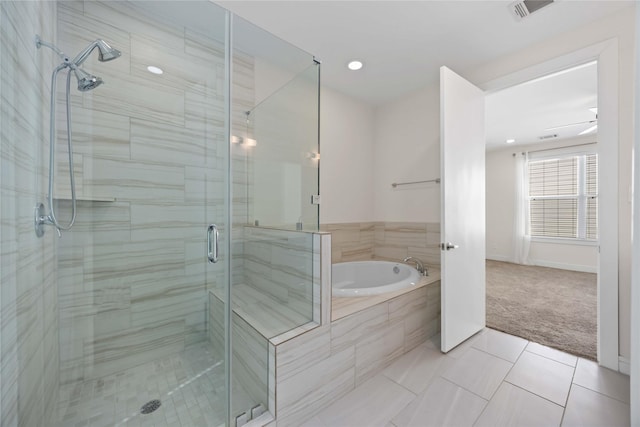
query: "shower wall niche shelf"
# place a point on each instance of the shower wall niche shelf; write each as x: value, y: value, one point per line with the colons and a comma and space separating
x: 87, y: 199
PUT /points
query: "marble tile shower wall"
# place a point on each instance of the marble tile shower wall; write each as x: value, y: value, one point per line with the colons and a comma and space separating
x: 279, y: 268
x: 385, y: 240
x: 28, y: 289
x: 133, y: 277
x: 250, y: 372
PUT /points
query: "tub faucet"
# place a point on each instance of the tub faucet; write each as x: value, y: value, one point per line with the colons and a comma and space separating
x: 419, y: 265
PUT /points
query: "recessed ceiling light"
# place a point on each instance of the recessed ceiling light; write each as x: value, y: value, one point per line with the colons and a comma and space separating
x: 510, y: 141
x: 354, y: 65
x: 154, y: 69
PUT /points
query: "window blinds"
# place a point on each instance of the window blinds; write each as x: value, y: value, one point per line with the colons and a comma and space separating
x: 563, y: 197
x: 591, y: 196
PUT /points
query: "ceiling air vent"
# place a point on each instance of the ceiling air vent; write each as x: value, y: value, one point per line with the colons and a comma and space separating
x: 524, y: 8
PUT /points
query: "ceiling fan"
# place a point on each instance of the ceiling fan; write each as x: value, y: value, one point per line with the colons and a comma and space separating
x: 592, y: 128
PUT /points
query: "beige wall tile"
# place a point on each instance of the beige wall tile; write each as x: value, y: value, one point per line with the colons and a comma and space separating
x: 395, y: 253
x: 155, y: 142
x: 250, y: 363
x: 28, y: 323
x: 111, y: 353
x: 377, y: 350
x: 385, y: 240
x: 298, y: 354
x: 303, y: 395
x: 350, y: 330
x: 325, y: 260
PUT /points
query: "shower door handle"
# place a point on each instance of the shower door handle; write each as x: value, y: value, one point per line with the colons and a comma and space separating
x: 212, y: 243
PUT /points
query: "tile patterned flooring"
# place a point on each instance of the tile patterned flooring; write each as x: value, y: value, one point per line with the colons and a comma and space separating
x: 189, y: 384
x: 493, y: 379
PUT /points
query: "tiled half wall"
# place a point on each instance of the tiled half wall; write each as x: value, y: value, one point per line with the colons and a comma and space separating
x: 277, y: 297
x: 318, y: 367
x: 392, y: 241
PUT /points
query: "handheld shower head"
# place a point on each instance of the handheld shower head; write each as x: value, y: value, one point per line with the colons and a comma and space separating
x: 107, y: 53
x: 86, y: 81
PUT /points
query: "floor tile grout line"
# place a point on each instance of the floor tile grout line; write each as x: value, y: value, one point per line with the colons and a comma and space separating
x: 555, y: 360
x: 525, y: 349
x: 600, y: 393
x: 499, y: 357
x: 504, y: 380
x: 509, y: 371
x: 464, y: 388
x: 390, y: 421
x: 397, y: 383
x: 564, y: 410
x: 537, y: 395
x: 489, y: 354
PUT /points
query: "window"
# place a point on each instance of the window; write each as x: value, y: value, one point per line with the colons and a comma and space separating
x: 563, y: 197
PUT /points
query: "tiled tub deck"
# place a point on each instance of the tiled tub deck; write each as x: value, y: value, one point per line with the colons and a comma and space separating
x: 364, y: 336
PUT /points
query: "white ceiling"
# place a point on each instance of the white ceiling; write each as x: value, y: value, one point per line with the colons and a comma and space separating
x: 403, y: 43
x: 527, y: 111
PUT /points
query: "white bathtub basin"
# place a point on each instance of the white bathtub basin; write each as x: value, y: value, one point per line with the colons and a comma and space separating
x: 363, y: 278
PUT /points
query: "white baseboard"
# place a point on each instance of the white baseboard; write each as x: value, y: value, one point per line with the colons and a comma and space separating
x: 545, y: 263
x: 624, y: 365
x: 502, y: 258
x: 564, y: 266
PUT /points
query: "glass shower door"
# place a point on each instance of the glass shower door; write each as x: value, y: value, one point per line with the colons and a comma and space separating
x: 135, y: 287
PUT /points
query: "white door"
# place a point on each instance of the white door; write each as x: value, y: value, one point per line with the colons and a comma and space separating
x: 462, y: 221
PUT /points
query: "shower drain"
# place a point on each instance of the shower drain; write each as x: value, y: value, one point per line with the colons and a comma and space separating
x: 151, y: 406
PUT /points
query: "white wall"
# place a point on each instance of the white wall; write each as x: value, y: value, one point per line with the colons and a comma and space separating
x: 500, y: 193
x: 346, y: 159
x: 407, y: 148
x: 269, y: 78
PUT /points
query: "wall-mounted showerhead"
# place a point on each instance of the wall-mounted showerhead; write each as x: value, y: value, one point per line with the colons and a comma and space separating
x: 107, y: 53
x: 86, y: 81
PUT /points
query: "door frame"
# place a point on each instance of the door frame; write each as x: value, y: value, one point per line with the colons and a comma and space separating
x: 606, y: 55
x: 635, y: 273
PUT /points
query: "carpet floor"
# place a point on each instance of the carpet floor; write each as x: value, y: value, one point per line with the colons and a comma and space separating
x: 553, y: 307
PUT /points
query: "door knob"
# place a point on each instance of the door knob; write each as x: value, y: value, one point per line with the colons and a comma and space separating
x: 448, y: 246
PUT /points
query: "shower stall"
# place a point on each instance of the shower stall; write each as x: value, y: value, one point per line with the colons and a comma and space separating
x: 176, y: 236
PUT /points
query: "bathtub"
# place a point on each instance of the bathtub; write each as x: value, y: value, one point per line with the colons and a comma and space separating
x: 363, y: 278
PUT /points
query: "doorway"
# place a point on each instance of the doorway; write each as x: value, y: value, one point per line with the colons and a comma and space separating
x: 606, y: 55
x: 541, y: 187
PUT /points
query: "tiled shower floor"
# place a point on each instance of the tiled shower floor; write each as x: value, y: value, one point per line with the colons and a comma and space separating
x: 190, y: 386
